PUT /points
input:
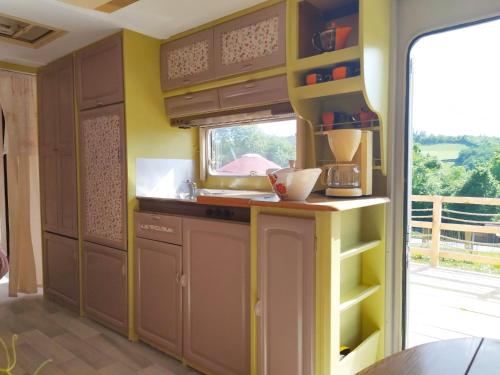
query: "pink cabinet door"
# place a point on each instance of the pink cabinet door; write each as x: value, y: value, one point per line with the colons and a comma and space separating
x: 57, y: 148
x: 252, y: 42
x: 103, y: 176
x: 68, y: 215
x: 99, y: 73
x: 158, y: 295
x: 105, y: 296
x: 49, y: 190
x: 216, y: 296
x: 188, y: 60
x: 60, y: 269
x: 286, y: 271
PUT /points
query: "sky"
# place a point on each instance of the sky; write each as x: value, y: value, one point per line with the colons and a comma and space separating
x: 456, y: 81
x: 281, y: 129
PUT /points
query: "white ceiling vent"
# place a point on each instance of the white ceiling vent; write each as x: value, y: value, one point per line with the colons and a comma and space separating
x: 26, y: 33
x: 107, y: 6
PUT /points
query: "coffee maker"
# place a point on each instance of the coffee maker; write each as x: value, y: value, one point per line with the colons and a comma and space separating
x: 351, y: 174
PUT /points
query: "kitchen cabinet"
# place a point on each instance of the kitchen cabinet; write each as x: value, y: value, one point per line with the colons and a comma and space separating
x: 57, y: 148
x: 158, y: 295
x: 99, y: 73
x: 105, y: 296
x: 254, y: 93
x: 61, y: 270
x: 188, y: 60
x: 249, y: 94
x: 216, y: 263
x: 251, y: 42
x: 192, y: 103
x: 103, y: 176
x: 285, y: 307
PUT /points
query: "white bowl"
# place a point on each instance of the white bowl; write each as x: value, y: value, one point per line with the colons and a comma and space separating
x: 294, y: 184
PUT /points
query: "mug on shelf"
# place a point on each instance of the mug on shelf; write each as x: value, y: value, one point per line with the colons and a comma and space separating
x: 314, y: 78
x: 331, y: 39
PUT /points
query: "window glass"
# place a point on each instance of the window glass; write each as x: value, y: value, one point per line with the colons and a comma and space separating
x: 251, y: 149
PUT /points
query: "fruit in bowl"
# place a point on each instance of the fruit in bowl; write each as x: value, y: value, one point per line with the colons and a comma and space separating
x: 292, y: 184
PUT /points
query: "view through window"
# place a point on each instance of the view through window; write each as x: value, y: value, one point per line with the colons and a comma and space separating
x: 454, y: 260
x: 251, y: 149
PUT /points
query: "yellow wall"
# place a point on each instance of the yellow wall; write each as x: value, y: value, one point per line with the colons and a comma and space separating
x: 149, y: 134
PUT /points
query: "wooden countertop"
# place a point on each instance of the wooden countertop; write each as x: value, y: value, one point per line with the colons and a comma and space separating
x: 315, y: 202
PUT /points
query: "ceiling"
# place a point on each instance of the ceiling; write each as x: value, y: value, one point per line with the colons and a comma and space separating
x: 156, y: 18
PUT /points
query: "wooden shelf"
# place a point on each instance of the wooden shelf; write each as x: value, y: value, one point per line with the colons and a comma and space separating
x: 359, y: 248
x: 362, y: 356
x: 356, y: 295
x: 342, y: 86
x: 326, y: 59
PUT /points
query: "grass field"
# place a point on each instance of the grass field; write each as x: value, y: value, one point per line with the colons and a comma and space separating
x: 443, y: 151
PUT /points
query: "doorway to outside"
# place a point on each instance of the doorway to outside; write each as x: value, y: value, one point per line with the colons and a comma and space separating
x: 453, y: 253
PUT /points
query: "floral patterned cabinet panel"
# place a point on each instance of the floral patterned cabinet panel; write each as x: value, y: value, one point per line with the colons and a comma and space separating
x: 252, y: 42
x: 103, y: 176
x: 188, y: 60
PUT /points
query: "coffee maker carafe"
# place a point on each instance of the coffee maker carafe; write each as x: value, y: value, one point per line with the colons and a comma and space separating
x: 351, y: 175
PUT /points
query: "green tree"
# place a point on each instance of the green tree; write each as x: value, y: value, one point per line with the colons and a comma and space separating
x: 480, y: 183
x: 425, y: 173
x: 495, y: 165
x: 478, y: 155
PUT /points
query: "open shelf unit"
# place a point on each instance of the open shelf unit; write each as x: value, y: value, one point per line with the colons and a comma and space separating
x: 370, y: 89
x: 358, y: 294
x: 340, y: 87
x: 360, y: 306
x: 363, y: 356
x: 358, y: 248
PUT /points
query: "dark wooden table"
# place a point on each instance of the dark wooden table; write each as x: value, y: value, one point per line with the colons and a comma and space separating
x: 472, y: 356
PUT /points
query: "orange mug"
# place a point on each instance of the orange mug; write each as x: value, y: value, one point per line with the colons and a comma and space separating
x: 314, y: 78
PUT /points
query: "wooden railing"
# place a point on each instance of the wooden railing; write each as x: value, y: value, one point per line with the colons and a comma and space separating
x: 467, y: 226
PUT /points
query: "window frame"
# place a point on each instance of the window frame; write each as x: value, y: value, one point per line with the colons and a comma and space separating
x: 206, y: 146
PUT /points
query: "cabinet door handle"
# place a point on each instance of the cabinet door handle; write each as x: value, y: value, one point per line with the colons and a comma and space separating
x: 246, y: 66
x: 186, y: 80
x: 258, y: 308
x: 250, y: 85
x: 183, y: 281
x: 188, y: 97
x: 100, y: 104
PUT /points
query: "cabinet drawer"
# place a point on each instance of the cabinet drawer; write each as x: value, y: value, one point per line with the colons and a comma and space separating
x: 191, y: 104
x: 159, y: 227
x: 264, y: 91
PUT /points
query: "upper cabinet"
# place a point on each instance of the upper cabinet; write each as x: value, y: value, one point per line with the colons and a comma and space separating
x: 252, y: 42
x: 248, y: 43
x: 57, y: 148
x: 188, y: 61
x: 100, y: 73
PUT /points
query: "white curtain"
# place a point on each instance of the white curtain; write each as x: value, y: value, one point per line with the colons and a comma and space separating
x: 19, y: 105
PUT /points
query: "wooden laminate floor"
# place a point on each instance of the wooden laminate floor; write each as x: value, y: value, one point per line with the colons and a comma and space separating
x: 76, y: 345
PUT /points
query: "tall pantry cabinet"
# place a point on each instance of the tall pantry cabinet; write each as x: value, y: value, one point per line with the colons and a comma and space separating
x: 58, y: 182
x: 103, y: 171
